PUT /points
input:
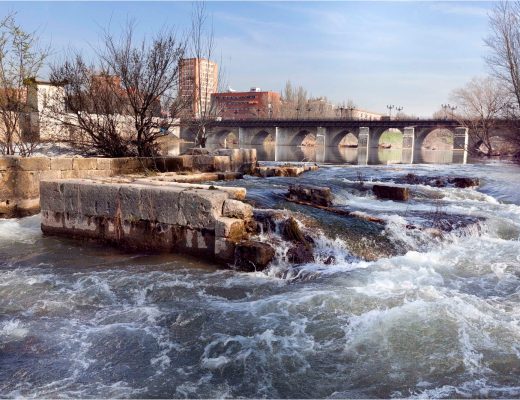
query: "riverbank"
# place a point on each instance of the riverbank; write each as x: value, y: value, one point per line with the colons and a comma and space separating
x: 85, y: 320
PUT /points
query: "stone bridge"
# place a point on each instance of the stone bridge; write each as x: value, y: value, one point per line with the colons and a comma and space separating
x: 331, y: 132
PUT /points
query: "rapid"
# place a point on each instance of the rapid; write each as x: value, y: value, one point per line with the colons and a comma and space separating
x: 397, y: 313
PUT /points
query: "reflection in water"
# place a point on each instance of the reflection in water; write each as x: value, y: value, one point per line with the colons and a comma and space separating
x: 340, y: 155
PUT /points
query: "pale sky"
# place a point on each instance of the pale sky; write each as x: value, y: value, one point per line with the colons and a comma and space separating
x: 409, y: 54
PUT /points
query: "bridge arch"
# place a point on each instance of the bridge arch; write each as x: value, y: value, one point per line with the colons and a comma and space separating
x: 304, y: 138
x: 262, y: 137
x: 435, y: 138
x: 188, y: 134
x: 223, y: 137
x: 389, y: 138
x: 344, y: 138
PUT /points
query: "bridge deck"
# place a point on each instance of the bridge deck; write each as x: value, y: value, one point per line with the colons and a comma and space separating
x: 331, y: 123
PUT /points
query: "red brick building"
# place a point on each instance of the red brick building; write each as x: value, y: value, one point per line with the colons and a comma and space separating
x: 198, y: 79
x: 247, y: 105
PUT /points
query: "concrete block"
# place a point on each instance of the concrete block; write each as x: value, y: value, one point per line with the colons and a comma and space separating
x: 7, y: 184
x: 71, y: 201
x: 34, y: 163
x: 84, y: 163
x: 230, y: 228
x: 222, y: 163
x: 130, y: 202
x: 237, y: 209
x: 104, y: 164
x: 187, y: 162
x: 7, y: 162
x: 49, y: 175
x: 94, y: 173
x: 204, y: 163
x: 99, y: 200
x: 61, y: 163
x: 161, y: 204
x: 27, y: 184
x: 70, y: 174
x: 201, y: 207
x: 51, y: 196
x: 169, y: 164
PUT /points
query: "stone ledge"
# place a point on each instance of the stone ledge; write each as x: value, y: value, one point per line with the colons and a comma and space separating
x: 144, y: 216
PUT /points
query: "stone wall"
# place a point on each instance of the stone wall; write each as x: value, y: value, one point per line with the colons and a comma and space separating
x: 207, y: 221
x: 20, y: 177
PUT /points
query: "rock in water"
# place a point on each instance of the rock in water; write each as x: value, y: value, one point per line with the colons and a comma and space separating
x: 253, y: 256
x: 321, y: 196
x: 301, y: 250
x: 464, y: 182
x: 391, y: 192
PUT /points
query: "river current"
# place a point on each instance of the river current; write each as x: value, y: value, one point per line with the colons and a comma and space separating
x: 436, y: 317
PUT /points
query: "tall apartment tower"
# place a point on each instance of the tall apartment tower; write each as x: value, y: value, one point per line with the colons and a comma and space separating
x: 198, y: 80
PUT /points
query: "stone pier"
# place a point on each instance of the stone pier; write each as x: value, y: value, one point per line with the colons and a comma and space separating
x: 364, y: 137
x: 206, y: 221
x: 408, y: 145
x: 460, y: 139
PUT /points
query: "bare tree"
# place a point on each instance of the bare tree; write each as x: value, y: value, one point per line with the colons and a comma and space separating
x: 208, y: 79
x: 479, y: 105
x: 115, y: 106
x: 88, y: 111
x: 504, y: 59
x: 21, y: 58
x: 149, y: 73
x: 294, y: 101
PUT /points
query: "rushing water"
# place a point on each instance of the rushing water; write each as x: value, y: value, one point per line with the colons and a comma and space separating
x: 439, y: 317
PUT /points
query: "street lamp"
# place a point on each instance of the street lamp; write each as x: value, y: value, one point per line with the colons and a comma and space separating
x: 297, y: 112
x: 447, y: 107
x: 453, y: 108
x: 398, y: 110
x: 308, y: 112
x: 390, y: 108
x: 351, y: 112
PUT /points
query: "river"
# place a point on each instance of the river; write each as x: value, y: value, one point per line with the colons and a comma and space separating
x: 433, y: 318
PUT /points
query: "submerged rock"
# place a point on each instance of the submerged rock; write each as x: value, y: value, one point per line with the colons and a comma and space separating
x: 391, y: 192
x: 318, y: 195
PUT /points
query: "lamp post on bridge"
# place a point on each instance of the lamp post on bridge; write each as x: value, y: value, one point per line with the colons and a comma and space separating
x: 398, y: 110
x: 447, y: 107
x: 341, y: 109
x: 351, y: 112
x: 390, y: 108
